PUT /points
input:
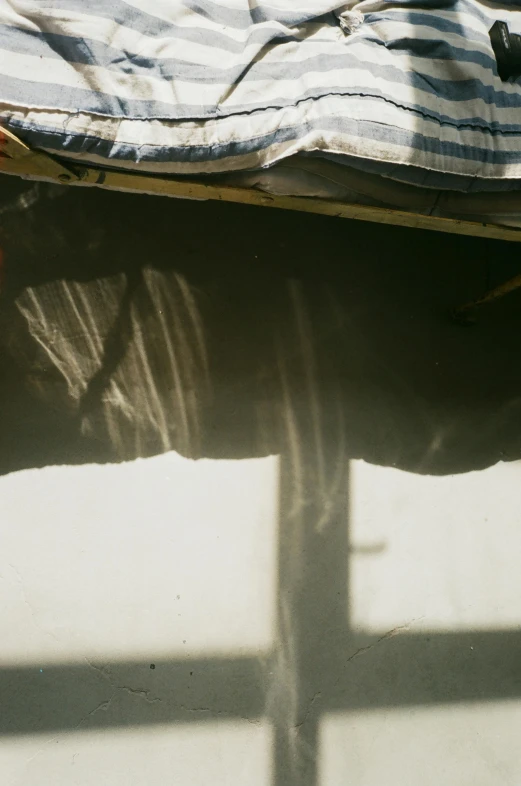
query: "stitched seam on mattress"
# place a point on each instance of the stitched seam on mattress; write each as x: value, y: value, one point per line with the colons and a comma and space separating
x: 245, y: 113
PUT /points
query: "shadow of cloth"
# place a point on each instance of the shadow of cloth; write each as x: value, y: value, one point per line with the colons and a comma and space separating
x: 133, y: 325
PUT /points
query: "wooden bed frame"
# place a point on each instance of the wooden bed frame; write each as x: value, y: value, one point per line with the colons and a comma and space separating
x: 18, y: 159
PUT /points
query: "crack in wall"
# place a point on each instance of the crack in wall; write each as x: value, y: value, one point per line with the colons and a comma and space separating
x: 103, y: 707
x: 389, y: 635
x: 33, y: 757
x: 29, y: 606
x: 105, y: 672
x: 145, y: 695
x: 317, y: 695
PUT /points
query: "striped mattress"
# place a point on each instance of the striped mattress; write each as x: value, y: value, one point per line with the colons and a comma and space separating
x: 207, y: 86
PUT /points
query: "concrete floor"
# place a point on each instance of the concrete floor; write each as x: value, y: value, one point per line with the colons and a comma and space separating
x: 259, y: 499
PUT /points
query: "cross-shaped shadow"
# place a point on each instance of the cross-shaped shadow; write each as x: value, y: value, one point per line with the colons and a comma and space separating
x: 326, y: 409
x: 318, y: 664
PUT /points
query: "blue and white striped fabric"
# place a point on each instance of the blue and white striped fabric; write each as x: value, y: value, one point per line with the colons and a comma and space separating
x: 201, y: 86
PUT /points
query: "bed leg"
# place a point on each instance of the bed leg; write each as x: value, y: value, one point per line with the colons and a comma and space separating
x: 466, y: 314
